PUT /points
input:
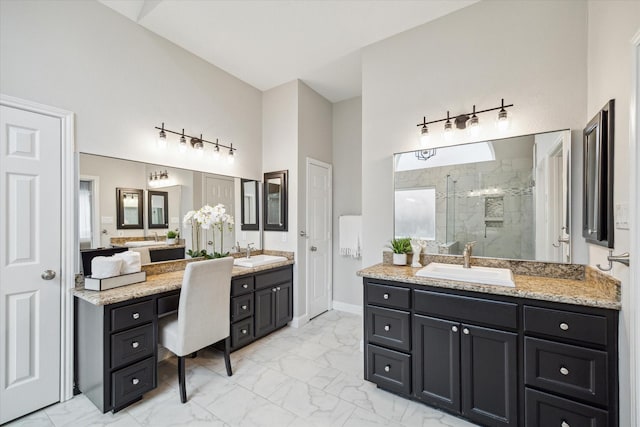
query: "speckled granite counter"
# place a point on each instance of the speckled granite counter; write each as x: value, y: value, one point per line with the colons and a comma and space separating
x: 596, y: 290
x: 159, y: 283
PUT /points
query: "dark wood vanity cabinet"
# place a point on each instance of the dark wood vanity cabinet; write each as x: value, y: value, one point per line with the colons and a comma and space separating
x: 497, y: 361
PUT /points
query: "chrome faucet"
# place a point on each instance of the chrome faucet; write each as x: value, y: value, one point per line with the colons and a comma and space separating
x: 468, y: 249
x: 155, y: 236
x: 249, y: 250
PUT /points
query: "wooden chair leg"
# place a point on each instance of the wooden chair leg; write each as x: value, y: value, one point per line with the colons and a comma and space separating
x: 181, y: 379
x: 227, y: 357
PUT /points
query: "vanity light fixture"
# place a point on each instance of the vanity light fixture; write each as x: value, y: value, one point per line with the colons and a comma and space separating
x: 156, y: 176
x: 197, y: 143
x: 468, y: 120
x: 424, y: 133
x: 231, y: 157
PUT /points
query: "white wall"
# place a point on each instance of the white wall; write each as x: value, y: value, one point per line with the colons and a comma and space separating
x: 122, y: 80
x: 536, y: 61
x: 611, y: 26
x: 347, y: 194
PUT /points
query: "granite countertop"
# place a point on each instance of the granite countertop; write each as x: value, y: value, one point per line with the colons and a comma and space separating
x: 157, y: 284
x: 595, y: 290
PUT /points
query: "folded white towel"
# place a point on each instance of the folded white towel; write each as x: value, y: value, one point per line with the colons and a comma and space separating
x: 145, y: 258
x: 350, y: 232
x: 103, y: 267
x: 130, y: 262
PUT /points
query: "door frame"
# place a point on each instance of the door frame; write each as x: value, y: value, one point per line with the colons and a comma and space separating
x: 95, y: 208
x: 311, y: 161
x: 68, y: 235
x: 634, y: 204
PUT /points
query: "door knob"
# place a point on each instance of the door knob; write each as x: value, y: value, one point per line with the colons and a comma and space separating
x: 313, y: 248
x: 48, y: 275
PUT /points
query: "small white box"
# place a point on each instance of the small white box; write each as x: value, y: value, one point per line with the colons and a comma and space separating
x: 114, y: 282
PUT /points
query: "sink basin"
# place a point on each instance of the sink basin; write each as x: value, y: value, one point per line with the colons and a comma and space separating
x: 258, y: 260
x: 482, y: 275
x: 143, y: 243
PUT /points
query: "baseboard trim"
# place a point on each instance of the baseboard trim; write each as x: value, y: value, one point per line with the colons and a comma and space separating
x: 299, y: 321
x: 349, y: 308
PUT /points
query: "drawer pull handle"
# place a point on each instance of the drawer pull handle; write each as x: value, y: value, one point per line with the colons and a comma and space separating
x: 387, y: 327
x: 387, y: 368
x: 564, y: 424
x: 245, y: 286
x: 244, y: 307
x: 135, y: 344
x: 564, y: 327
x: 564, y: 371
x: 465, y: 331
x: 135, y: 381
x: 278, y: 288
x: 385, y: 296
x: 454, y: 328
x: 274, y: 290
x: 244, y: 331
x: 136, y: 315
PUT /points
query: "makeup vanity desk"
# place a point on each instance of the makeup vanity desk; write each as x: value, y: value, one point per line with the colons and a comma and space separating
x: 116, y: 332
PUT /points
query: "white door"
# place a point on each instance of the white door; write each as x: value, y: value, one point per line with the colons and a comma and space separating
x: 30, y: 261
x: 218, y: 189
x: 318, y: 251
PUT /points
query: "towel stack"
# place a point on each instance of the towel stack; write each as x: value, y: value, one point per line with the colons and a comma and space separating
x: 121, y: 263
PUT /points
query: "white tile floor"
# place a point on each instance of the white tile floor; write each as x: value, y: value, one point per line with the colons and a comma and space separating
x: 310, y: 376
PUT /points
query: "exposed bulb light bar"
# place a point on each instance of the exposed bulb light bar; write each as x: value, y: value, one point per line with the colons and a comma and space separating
x: 162, y: 137
x: 424, y: 133
x: 197, y: 143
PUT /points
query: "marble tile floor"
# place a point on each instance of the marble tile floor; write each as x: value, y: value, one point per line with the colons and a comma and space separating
x: 295, y: 377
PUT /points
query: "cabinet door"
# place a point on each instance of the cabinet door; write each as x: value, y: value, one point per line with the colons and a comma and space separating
x: 436, y: 362
x: 284, y: 304
x: 489, y: 376
x: 264, y: 314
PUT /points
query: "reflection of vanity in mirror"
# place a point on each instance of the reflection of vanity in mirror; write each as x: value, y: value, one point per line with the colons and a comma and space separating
x: 510, y: 196
x: 162, y: 197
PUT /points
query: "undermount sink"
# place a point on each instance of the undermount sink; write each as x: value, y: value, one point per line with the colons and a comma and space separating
x: 258, y: 260
x: 481, y: 275
x: 144, y: 243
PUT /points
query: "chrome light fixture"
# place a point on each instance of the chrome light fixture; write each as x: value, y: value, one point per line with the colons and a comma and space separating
x: 197, y: 143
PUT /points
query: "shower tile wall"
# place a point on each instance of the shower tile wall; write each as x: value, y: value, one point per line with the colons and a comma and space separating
x: 510, y: 178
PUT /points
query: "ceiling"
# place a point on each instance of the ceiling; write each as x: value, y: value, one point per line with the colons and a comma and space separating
x: 267, y: 42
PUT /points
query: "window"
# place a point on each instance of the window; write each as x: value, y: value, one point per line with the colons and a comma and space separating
x: 415, y: 213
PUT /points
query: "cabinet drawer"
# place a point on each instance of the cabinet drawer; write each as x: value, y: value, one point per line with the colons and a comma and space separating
x: 241, y: 286
x: 566, y: 324
x: 571, y: 370
x: 545, y: 410
x: 241, y: 332
x: 264, y: 280
x: 389, y: 369
x: 241, y: 307
x: 391, y: 328
x: 131, y: 382
x: 388, y: 296
x: 131, y: 315
x: 496, y: 313
x: 131, y: 345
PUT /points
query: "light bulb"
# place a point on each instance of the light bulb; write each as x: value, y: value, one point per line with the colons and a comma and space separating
x: 503, y: 120
x: 216, y: 151
x: 424, y: 136
x: 448, y: 130
x: 231, y: 157
x: 182, y: 143
x: 474, y: 125
x: 162, y: 139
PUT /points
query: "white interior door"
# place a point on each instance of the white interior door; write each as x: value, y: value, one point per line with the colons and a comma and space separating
x: 218, y: 189
x: 318, y: 253
x: 30, y: 261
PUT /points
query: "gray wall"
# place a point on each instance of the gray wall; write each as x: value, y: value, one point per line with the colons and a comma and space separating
x: 347, y: 194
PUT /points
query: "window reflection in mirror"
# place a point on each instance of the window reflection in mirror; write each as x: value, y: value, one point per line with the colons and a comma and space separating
x: 275, y: 201
x: 250, y: 203
x: 511, y: 196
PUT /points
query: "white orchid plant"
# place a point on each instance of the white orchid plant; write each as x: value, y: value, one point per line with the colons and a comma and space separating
x: 208, y: 218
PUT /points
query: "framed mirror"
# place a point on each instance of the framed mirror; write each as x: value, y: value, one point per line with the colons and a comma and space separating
x: 130, y: 205
x: 249, y: 208
x: 511, y: 196
x: 158, y: 209
x: 275, y: 201
x: 597, y: 218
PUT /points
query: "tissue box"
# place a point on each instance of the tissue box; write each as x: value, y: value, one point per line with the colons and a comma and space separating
x: 114, y: 282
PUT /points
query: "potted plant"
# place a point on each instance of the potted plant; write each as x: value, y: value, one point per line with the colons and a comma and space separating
x: 401, y: 247
x: 171, y: 237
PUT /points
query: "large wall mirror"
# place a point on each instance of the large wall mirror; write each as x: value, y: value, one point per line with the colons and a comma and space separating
x: 250, y: 203
x: 511, y: 196
x: 275, y: 201
x: 164, y: 199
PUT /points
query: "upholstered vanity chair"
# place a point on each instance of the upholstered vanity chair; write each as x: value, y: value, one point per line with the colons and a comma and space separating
x: 203, y: 314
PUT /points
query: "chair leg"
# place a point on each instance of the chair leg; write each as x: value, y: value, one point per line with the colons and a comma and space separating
x: 227, y: 358
x: 181, y: 380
